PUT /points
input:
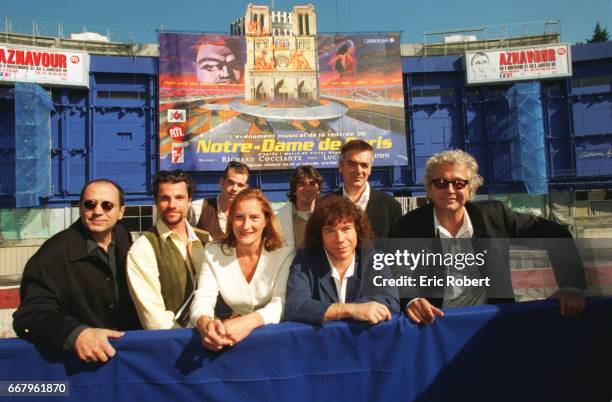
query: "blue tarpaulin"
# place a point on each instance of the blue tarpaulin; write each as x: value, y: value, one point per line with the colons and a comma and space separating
x: 523, y: 351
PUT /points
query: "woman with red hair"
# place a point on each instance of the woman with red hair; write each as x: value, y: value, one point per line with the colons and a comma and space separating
x: 248, y: 269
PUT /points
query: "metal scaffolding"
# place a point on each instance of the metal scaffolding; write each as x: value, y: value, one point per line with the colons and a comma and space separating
x: 33, y: 108
x: 526, y: 135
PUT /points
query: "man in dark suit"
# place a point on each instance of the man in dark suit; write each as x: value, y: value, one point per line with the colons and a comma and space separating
x: 74, y: 293
x: 355, y: 164
x: 451, y: 180
x: 333, y: 277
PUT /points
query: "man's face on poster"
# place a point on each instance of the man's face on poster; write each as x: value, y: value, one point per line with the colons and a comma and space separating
x: 480, y: 64
x: 217, y: 65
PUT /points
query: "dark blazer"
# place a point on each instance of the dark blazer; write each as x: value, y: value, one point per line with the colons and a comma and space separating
x: 383, y: 211
x: 493, y: 222
x: 311, y: 288
x: 63, y: 287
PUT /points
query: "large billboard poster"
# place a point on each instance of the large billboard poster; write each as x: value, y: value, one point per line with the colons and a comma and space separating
x: 43, y: 65
x: 276, y: 102
x: 524, y: 63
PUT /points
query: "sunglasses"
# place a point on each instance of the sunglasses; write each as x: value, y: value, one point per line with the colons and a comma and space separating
x: 92, y: 204
x: 458, y: 184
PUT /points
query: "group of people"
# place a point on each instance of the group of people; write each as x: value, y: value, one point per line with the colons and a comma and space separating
x: 229, y: 264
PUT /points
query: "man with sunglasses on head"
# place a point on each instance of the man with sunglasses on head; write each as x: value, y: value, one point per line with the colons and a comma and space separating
x: 451, y: 180
x: 74, y: 293
x: 162, y: 264
x: 212, y: 216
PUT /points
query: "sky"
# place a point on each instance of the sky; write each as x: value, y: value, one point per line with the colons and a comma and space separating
x: 138, y: 20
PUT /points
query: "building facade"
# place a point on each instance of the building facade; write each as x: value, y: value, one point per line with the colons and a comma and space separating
x: 282, y: 61
x: 110, y: 130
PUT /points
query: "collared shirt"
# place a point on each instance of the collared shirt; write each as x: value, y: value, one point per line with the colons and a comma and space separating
x: 341, y: 283
x: 221, y: 275
x: 362, y: 202
x: 303, y: 215
x: 143, y: 275
x: 221, y: 215
x: 466, y: 231
x: 188, y: 248
x: 458, y: 295
x: 108, y: 257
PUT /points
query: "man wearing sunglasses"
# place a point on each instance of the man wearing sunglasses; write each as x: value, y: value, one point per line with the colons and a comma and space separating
x: 163, y: 262
x: 451, y: 180
x: 74, y: 293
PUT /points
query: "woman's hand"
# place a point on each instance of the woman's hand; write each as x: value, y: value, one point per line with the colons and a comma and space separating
x: 238, y: 328
x: 213, y: 334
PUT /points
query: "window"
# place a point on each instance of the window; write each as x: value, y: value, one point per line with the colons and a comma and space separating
x: 138, y: 218
x: 592, y: 81
x: 417, y: 93
x: 120, y: 95
x: 582, y: 195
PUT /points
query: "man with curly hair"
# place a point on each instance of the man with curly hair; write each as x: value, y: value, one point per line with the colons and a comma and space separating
x: 451, y: 180
x: 332, y: 278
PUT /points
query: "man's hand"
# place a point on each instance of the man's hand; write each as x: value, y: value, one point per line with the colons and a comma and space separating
x: 92, y: 344
x: 372, y: 312
x: 213, y: 334
x: 570, y: 303
x: 422, y: 312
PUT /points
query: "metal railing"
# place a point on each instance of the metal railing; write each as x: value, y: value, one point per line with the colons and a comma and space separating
x: 63, y: 31
x: 58, y: 35
x: 457, y: 41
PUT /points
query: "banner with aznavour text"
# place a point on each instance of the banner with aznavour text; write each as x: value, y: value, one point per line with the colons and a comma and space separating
x: 515, y: 64
x: 43, y: 65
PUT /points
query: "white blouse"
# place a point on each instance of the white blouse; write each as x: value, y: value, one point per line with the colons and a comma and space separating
x: 220, y: 273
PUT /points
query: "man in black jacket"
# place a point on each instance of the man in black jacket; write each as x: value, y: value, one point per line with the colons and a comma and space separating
x: 355, y: 164
x: 74, y: 293
x: 451, y: 180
